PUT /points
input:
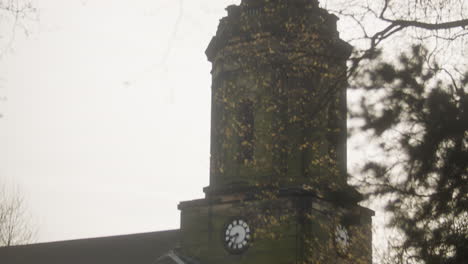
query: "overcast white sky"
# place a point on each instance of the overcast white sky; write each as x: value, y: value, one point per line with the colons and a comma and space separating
x: 106, y: 114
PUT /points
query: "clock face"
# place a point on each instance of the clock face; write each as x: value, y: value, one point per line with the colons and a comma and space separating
x: 237, y: 236
x: 341, y: 240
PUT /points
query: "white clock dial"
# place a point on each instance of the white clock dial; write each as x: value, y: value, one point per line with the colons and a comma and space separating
x: 237, y: 236
x: 341, y: 239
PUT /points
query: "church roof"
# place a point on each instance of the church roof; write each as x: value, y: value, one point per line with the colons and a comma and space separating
x: 144, y: 248
x: 175, y: 257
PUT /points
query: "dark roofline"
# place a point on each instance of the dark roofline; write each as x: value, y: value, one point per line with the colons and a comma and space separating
x: 102, y: 238
x: 142, y: 248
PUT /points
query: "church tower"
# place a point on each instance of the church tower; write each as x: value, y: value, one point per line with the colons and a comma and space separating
x: 278, y: 188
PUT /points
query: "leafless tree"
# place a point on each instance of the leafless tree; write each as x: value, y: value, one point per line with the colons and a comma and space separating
x: 15, y: 227
x: 14, y: 15
x: 396, y: 25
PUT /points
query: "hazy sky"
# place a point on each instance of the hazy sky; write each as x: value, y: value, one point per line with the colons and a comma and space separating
x: 106, y: 120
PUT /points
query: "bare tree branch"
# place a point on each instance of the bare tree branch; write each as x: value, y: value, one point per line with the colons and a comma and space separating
x: 429, y: 26
x: 15, y: 228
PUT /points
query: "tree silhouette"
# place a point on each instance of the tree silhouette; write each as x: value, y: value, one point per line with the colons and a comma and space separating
x: 414, y: 106
x: 421, y: 123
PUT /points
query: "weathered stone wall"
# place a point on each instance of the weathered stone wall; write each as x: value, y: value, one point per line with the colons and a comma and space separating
x: 285, y: 60
x: 287, y: 230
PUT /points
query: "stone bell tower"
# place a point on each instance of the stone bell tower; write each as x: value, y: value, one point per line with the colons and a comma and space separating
x: 278, y: 183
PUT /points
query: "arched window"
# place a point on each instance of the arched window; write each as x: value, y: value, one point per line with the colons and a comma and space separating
x: 246, y: 133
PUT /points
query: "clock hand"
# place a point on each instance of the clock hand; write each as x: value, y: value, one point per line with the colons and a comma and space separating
x: 234, y: 237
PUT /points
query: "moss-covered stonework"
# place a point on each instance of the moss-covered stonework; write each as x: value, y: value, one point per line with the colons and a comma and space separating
x: 285, y: 59
x: 287, y: 230
x: 278, y: 140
